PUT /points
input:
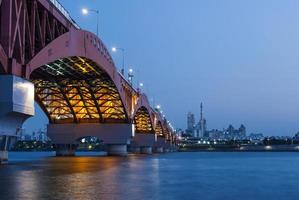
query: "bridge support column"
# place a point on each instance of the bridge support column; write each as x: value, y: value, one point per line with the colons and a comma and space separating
x: 146, y: 150
x: 158, y: 150
x: 135, y: 149
x: 16, y: 105
x: 65, y: 149
x: 160, y: 145
x: 167, y: 147
x: 117, y: 150
x: 4, y: 140
x: 3, y: 157
x: 115, y: 136
x: 143, y: 143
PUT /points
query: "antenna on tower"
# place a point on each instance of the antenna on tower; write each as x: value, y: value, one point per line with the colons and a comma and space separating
x: 201, y: 108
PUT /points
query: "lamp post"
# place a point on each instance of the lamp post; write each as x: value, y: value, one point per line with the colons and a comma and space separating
x: 85, y: 11
x: 115, y: 49
x: 139, y: 89
x: 130, y: 76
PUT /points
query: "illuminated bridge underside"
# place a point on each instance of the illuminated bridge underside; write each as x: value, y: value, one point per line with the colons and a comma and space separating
x: 167, y: 133
x: 142, y: 121
x: 159, y: 130
x: 76, y: 90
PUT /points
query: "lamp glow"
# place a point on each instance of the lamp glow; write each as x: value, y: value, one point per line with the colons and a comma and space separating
x: 84, y: 11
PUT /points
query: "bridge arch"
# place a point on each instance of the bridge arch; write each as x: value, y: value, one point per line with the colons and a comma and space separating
x: 76, y: 89
x: 159, y: 129
x: 142, y: 121
x: 166, y: 131
x: 76, y: 73
x: 87, y: 47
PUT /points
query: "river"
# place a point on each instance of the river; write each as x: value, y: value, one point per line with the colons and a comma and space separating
x: 173, y: 176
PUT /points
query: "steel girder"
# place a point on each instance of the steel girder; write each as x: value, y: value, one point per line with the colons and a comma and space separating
x: 75, y: 89
x: 26, y: 28
x: 142, y: 121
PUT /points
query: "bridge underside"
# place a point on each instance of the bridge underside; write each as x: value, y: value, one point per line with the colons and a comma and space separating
x: 66, y: 136
x: 142, y: 121
x: 159, y: 129
x: 76, y: 90
x: 108, y: 133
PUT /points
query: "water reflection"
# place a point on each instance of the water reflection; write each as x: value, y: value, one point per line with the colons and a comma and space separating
x: 80, y: 178
x: 167, y: 176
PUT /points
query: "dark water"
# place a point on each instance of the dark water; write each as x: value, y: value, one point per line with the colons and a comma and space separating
x: 172, y: 176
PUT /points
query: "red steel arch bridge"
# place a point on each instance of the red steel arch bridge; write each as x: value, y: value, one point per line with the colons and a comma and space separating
x: 45, y: 57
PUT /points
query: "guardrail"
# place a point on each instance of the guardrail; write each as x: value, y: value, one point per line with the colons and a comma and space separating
x: 64, y: 12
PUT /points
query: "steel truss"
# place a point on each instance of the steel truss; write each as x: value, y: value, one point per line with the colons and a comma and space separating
x: 142, y: 121
x: 26, y: 28
x: 74, y: 90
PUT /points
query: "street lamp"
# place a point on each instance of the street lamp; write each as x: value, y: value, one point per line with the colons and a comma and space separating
x: 139, y: 89
x: 115, y: 49
x: 86, y: 11
x: 130, y: 76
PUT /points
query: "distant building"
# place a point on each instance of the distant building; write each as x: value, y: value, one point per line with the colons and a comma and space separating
x: 216, y: 134
x: 201, y: 127
x: 242, y: 131
x: 256, y: 136
x: 190, y: 123
x: 232, y: 133
x: 41, y: 135
x: 199, y: 130
x: 27, y: 137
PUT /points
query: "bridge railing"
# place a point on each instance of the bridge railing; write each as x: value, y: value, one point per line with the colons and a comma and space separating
x: 64, y: 12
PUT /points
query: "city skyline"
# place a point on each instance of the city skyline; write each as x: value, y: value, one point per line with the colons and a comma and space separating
x: 243, y: 68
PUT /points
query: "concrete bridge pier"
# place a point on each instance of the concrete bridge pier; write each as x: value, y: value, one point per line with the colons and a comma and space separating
x: 159, y: 146
x: 167, y: 146
x: 174, y: 147
x: 65, y: 149
x: 158, y: 150
x: 146, y: 150
x: 143, y: 143
x: 134, y: 148
x: 117, y: 150
x: 67, y: 136
x: 16, y: 105
x: 3, y: 149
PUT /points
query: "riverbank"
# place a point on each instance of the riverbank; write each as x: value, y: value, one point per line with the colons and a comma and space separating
x: 240, y: 148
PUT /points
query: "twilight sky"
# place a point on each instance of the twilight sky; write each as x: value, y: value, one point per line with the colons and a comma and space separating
x: 239, y: 57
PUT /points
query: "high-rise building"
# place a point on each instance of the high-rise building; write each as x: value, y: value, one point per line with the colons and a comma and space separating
x: 190, y: 123
x: 202, y: 124
x: 233, y: 133
x: 242, y: 131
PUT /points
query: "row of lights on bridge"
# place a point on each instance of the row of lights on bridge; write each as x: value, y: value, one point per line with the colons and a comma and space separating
x: 86, y: 11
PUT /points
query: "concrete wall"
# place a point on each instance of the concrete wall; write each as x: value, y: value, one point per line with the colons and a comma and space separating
x: 144, y: 140
x: 109, y: 133
x: 161, y: 142
x: 16, y: 103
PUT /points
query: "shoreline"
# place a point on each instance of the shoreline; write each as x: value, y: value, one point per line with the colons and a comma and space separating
x: 242, y: 148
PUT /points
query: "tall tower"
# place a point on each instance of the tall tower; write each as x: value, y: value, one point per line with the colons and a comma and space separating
x: 201, y: 115
x: 202, y: 123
